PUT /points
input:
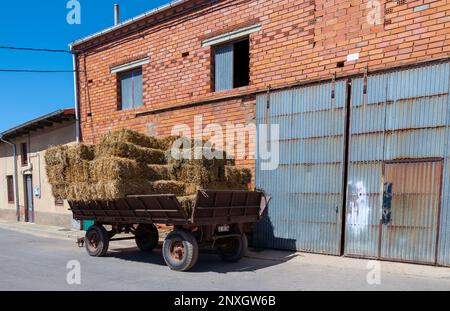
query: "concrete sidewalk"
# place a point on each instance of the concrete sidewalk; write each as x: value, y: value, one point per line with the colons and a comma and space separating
x: 305, y: 259
x: 42, y: 230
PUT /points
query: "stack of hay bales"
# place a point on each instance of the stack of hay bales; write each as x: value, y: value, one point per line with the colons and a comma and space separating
x: 129, y: 163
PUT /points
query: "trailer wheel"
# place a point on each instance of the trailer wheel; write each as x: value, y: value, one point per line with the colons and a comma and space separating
x: 147, y: 237
x: 234, y: 249
x: 180, y: 250
x: 97, y: 241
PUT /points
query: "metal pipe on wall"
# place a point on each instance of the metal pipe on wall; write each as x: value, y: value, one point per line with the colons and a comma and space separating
x: 16, y: 182
x: 75, y: 88
x: 116, y: 15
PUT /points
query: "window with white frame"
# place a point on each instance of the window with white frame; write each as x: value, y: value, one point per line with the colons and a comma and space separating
x: 129, y: 82
x: 130, y: 89
x: 231, y: 58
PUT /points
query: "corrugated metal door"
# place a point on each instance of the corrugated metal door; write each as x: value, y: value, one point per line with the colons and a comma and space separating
x: 397, y: 116
x: 410, y: 215
x: 306, y: 189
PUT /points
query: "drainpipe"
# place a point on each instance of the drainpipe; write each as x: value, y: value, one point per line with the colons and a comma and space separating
x: 75, y: 88
x: 16, y: 182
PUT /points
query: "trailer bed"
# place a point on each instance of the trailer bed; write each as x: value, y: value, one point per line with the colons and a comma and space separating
x: 211, y: 207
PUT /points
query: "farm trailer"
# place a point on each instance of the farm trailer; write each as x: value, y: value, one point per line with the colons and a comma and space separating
x: 217, y: 222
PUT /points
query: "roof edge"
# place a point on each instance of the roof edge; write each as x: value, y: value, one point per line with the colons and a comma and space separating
x: 66, y: 113
x: 128, y: 22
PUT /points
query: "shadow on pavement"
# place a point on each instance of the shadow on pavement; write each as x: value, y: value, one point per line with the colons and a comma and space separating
x: 260, y: 257
x: 207, y: 262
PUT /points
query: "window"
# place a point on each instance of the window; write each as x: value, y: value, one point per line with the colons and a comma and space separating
x: 232, y: 65
x: 10, y: 188
x: 130, y: 89
x: 59, y: 202
x: 24, y: 153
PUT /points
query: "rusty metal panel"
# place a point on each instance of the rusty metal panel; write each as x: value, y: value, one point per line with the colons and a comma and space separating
x: 410, y: 232
x: 305, y: 213
x: 404, y: 116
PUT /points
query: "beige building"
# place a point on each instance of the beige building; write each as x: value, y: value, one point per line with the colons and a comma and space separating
x: 25, y: 194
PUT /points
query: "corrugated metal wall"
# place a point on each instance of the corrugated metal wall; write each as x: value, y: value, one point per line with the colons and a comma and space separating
x: 306, y: 210
x: 403, y: 117
x: 399, y: 134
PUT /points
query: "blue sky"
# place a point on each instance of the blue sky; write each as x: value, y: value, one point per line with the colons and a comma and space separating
x: 42, y: 24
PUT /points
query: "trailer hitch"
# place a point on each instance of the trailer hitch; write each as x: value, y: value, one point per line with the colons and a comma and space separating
x: 80, y: 242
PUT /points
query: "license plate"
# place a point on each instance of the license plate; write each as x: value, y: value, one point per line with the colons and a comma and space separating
x: 224, y: 228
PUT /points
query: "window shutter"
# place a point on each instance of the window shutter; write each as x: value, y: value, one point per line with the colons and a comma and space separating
x: 126, y: 89
x: 224, y: 67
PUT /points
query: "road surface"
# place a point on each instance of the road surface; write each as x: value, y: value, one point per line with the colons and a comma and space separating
x: 31, y: 262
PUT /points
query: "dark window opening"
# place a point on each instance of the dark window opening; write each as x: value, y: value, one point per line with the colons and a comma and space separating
x: 232, y: 65
x: 130, y: 89
x: 24, y: 150
x: 10, y: 188
x: 241, y: 72
x: 59, y: 202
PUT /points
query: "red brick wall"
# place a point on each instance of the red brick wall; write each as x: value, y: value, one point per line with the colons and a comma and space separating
x: 300, y: 40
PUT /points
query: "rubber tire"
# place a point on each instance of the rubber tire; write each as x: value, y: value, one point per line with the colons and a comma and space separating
x: 146, y: 237
x: 238, y: 250
x: 103, y: 243
x: 190, y: 247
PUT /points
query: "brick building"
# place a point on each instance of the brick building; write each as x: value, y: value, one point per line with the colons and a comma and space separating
x: 220, y: 59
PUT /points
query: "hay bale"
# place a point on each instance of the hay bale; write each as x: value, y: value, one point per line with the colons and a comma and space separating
x: 59, y: 191
x: 114, y: 168
x: 107, y: 190
x: 192, y: 189
x: 197, y: 174
x: 56, y: 174
x: 80, y: 192
x: 165, y: 143
x: 130, y: 151
x: 139, y: 139
x: 168, y: 187
x: 79, y: 171
x: 113, y: 190
x: 238, y: 175
x: 56, y: 155
x: 195, y: 157
x: 80, y: 152
x: 156, y: 172
x: 131, y: 137
x: 187, y: 204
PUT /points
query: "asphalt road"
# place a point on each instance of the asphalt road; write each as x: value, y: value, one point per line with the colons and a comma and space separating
x: 30, y: 262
